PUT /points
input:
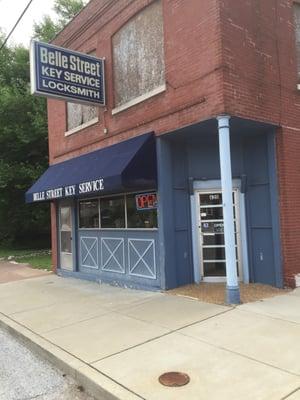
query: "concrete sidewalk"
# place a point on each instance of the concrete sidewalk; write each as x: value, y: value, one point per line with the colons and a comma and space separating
x: 117, y: 342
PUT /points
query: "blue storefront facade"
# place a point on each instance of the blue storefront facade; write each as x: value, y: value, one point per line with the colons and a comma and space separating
x: 189, y: 167
x: 187, y: 172
x: 179, y: 241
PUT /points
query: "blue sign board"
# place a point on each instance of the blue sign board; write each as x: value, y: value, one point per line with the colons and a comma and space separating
x: 66, y: 74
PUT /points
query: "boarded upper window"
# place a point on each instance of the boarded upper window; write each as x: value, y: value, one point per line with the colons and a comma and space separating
x: 297, y: 31
x: 79, y: 114
x: 139, y: 55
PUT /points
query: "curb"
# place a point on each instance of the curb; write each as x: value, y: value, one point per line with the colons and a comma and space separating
x: 94, y: 382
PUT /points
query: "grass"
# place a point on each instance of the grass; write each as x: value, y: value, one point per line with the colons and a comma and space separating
x: 7, y: 252
x: 40, y: 259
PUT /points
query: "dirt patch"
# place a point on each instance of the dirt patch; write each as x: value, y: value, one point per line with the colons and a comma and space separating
x: 215, y: 292
x: 10, y: 272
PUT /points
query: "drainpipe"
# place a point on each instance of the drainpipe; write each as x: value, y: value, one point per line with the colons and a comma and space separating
x: 232, y: 286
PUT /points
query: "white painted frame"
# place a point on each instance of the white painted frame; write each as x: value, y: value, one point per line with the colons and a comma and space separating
x: 112, y: 255
x: 207, y: 187
x: 153, y: 275
x: 96, y: 266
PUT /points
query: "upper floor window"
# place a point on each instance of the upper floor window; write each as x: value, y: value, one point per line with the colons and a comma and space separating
x: 79, y: 115
x: 138, y: 56
x: 297, y: 31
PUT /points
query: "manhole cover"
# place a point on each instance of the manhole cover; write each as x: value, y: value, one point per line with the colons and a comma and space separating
x: 174, y: 379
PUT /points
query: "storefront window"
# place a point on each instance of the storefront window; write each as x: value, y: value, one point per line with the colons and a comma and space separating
x: 140, y: 211
x: 112, y: 212
x: 143, y: 218
x: 89, y: 214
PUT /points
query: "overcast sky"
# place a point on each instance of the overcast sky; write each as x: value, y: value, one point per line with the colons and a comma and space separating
x: 10, y: 10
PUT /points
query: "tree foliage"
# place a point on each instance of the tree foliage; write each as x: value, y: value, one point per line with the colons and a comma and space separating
x: 23, y: 137
x: 66, y: 10
x: 23, y: 149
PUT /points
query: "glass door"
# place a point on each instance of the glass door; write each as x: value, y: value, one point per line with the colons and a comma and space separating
x: 211, y: 235
x: 65, y: 235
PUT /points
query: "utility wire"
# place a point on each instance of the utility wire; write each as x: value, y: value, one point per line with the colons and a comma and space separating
x: 14, y: 27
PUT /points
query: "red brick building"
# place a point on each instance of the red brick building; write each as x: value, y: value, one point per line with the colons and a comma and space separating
x: 172, y: 67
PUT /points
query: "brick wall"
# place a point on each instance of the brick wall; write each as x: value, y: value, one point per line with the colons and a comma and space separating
x: 221, y: 56
x: 194, y: 89
x: 260, y: 78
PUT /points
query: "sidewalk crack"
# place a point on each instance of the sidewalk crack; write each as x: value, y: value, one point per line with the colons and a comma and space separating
x: 293, y: 392
x: 160, y: 336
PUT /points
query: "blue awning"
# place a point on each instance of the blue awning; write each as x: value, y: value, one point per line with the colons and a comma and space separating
x: 126, y: 166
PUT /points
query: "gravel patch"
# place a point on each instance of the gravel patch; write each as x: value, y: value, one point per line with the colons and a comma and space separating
x: 25, y: 376
x: 215, y: 292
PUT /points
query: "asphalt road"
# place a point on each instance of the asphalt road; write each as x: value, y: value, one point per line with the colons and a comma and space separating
x: 24, y: 376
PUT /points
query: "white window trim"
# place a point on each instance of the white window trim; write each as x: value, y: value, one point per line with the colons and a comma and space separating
x: 139, y: 99
x: 82, y: 126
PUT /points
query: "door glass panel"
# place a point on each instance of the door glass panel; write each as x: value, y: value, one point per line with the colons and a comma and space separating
x: 66, y: 257
x: 66, y: 245
x: 212, y: 234
x: 214, y: 269
x: 65, y: 218
x: 208, y: 199
x: 213, y: 253
x: 215, y: 239
x: 214, y: 227
x: 211, y: 213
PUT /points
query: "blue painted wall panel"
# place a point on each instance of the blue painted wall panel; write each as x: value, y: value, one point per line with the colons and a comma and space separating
x: 263, y: 258
x: 256, y: 158
x: 183, y: 258
x: 166, y: 234
x: 181, y: 207
x: 259, y: 206
x: 203, y: 160
x: 197, y: 157
x: 128, y: 257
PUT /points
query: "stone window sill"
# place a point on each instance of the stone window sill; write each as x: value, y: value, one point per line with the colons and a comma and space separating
x: 139, y: 99
x: 81, y: 127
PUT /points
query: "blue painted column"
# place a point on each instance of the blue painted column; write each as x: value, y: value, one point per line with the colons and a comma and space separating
x: 232, y: 288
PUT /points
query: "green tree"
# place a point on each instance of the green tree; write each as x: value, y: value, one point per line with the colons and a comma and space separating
x: 66, y: 10
x: 23, y: 149
x: 23, y: 137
